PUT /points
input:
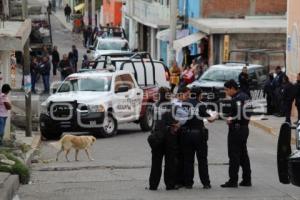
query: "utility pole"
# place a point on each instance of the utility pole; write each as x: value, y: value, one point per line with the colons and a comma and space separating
x: 26, y: 74
x: 173, y: 25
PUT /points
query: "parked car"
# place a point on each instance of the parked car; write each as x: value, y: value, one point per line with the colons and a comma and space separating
x: 212, y: 81
x: 106, y: 45
x: 288, y: 161
x: 97, y: 101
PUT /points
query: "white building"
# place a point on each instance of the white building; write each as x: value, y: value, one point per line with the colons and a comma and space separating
x: 142, y: 20
x: 13, y: 35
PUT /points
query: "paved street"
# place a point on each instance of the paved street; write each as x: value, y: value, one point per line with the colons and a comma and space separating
x: 122, y: 165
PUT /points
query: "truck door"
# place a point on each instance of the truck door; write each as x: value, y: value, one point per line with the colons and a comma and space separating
x: 126, y: 103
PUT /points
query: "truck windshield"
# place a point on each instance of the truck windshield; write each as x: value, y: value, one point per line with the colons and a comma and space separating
x: 220, y: 75
x: 98, y: 84
x: 119, y: 45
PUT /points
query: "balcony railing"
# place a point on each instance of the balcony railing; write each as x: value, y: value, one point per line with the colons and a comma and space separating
x: 153, y: 13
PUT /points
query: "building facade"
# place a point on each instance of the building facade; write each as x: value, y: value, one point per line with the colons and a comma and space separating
x: 143, y: 19
x: 112, y: 12
x: 293, y: 39
x: 244, y: 24
x: 13, y: 36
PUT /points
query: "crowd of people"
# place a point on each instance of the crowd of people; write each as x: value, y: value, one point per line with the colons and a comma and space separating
x: 281, y: 93
x: 179, y: 133
x: 40, y: 66
x: 182, y: 76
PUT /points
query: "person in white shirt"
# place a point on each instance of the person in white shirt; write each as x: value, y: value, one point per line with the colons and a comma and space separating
x: 5, y: 106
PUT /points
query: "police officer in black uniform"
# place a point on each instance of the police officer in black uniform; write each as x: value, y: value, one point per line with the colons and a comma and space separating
x: 195, y: 141
x: 163, y: 143
x: 238, y: 121
x: 288, y: 92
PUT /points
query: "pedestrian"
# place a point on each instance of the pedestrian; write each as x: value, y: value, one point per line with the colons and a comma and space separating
x: 95, y: 34
x: 5, y: 106
x: 75, y: 57
x: 181, y: 115
x: 238, y: 121
x: 85, y: 62
x: 49, y: 7
x: 55, y: 59
x: 277, y: 84
x: 45, y: 72
x: 187, y: 59
x: 297, y: 96
x: 65, y: 67
x: 163, y: 143
x: 268, y: 94
x: 67, y: 11
x: 34, y: 71
x: 174, y: 76
x: 54, y: 5
x: 85, y: 37
x: 45, y: 51
x: 60, y: 4
x: 187, y: 76
x: 195, y: 140
x: 89, y: 34
x: 244, y: 81
x: 288, y: 96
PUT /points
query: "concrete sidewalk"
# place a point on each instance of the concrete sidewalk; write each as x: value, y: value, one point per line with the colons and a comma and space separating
x: 271, y: 124
x: 9, y: 183
x: 60, y: 15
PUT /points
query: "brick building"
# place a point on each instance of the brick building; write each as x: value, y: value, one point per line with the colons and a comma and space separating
x: 247, y: 24
x: 241, y: 8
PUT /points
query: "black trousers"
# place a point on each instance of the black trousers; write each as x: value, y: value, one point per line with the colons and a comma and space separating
x: 195, y: 142
x: 168, y: 150
x: 287, y: 108
x: 270, y: 104
x: 180, y: 158
x: 238, y: 153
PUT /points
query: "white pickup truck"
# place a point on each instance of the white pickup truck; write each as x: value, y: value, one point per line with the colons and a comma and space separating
x: 97, y: 101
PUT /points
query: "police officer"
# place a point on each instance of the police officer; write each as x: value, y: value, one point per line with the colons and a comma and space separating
x: 238, y: 121
x: 195, y: 141
x: 181, y: 114
x: 163, y: 143
x: 288, y: 96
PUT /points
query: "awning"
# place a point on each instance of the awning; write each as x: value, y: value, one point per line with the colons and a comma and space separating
x: 79, y: 7
x: 188, y: 40
x: 164, y: 35
x: 247, y: 25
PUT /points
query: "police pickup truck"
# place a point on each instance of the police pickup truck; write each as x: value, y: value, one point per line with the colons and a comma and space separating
x: 97, y: 101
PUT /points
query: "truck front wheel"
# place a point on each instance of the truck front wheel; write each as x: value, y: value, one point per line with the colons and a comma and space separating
x: 110, y: 126
x: 147, y: 121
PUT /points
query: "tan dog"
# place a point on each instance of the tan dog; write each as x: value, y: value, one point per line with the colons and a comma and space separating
x: 67, y: 142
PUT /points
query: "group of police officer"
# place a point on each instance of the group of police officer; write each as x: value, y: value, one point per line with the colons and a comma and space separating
x: 179, y: 133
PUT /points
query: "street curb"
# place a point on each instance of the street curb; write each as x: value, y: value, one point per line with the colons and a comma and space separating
x: 10, y: 187
x: 12, y: 183
x: 34, y: 147
x: 269, y: 130
x: 263, y: 127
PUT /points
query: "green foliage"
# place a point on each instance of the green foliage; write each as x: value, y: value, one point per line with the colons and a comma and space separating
x: 18, y: 168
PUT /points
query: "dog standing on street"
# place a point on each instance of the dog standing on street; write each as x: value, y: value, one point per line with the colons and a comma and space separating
x: 67, y: 142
